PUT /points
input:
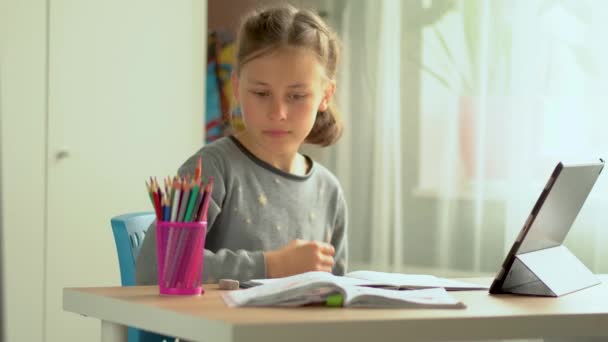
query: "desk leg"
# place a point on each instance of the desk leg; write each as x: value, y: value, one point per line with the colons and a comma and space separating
x: 113, y: 332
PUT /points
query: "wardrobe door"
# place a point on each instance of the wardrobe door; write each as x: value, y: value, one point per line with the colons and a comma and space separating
x: 126, y: 85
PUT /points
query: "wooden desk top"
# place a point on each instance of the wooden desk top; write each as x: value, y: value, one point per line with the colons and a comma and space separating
x: 583, y: 313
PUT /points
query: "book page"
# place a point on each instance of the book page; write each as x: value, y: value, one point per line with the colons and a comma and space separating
x: 316, y: 287
x: 381, y: 298
x: 310, y: 287
x: 336, y: 279
x: 411, y: 281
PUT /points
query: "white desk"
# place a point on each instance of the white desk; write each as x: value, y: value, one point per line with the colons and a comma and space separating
x: 206, y: 318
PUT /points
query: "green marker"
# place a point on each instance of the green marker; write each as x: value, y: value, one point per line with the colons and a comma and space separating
x: 334, y: 300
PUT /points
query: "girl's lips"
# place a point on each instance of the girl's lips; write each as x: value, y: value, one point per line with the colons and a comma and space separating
x: 275, y: 132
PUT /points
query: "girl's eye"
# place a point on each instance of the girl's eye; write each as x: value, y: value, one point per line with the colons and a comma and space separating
x: 296, y: 97
x: 260, y: 93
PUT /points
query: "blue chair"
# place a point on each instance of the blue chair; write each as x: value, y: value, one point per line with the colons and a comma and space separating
x: 129, y: 233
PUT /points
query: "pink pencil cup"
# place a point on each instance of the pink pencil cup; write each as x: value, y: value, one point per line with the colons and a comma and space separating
x: 180, y: 257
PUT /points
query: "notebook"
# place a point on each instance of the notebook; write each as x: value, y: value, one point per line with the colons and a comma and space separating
x: 395, y: 281
x: 327, y: 289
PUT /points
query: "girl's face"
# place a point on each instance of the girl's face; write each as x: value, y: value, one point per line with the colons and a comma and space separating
x: 280, y: 94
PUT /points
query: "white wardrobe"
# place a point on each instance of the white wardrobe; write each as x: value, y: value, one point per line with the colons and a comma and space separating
x: 95, y: 96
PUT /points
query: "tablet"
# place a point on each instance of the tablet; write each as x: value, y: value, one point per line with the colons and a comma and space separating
x: 553, y: 214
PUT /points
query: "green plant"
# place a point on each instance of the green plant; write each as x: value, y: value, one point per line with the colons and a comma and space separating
x: 488, y: 29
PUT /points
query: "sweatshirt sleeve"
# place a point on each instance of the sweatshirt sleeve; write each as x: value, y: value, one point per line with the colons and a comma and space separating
x: 226, y: 263
x: 340, y: 237
x: 223, y: 263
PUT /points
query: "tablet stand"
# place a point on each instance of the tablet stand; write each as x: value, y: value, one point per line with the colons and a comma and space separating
x: 550, y: 272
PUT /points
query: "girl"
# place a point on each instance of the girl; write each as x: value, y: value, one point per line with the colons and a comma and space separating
x: 273, y: 212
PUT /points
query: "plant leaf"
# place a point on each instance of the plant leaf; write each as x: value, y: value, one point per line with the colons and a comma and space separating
x: 580, y: 9
x: 432, y: 73
x: 470, y: 20
x: 546, y: 5
x: 451, y: 58
x: 585, y: 60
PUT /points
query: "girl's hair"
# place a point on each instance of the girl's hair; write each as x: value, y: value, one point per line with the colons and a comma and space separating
x: 268, y: 29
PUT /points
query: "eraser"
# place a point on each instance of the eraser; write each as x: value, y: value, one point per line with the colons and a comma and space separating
x: 229, y: 284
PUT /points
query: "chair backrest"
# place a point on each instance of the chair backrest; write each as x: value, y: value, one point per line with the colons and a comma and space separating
x: 129, y: 232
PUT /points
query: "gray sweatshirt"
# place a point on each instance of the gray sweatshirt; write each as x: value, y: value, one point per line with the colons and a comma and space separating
x: 256, y: 207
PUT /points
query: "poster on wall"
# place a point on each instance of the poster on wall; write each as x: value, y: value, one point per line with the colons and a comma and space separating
x: 222, y: 113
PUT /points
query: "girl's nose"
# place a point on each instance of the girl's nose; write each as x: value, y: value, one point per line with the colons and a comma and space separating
x: 278, y: 111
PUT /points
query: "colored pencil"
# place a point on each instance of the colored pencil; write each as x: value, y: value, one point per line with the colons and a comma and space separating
x: 149, y: 188
x: 199, y: 170
x: 167, y: 209
x: 191, y: 202
x: 156, y: 203
x: 202, y: 215
x: 183, y: 203
x: 198, y: 203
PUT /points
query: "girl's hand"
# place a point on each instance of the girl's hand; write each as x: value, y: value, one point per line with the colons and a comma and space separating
x: 299, y: 256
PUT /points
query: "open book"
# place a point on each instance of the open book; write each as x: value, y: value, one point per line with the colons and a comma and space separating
x: 326, y: 288
x: 396, y: 281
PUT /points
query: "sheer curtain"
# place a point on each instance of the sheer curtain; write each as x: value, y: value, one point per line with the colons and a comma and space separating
x: 368, y: 160
x: 457, y: 112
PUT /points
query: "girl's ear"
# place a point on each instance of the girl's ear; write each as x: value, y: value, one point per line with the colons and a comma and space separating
x: 328, y: 94
x: 234, y: 79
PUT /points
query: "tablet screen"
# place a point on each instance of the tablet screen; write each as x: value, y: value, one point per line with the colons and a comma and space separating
x: 553, y: 213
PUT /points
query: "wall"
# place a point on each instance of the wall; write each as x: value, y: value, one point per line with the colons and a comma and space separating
x: 32, y: 89
x: 2, y: 314
x: 23, y: 108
